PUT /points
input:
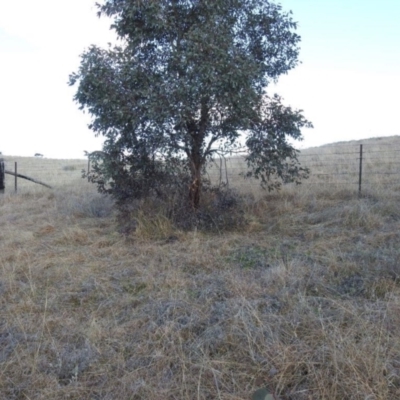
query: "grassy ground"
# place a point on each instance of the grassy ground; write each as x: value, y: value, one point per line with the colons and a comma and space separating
x: 305, y: 300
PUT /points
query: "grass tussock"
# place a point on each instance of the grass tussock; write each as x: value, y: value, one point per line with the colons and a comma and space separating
x: 303, y: 298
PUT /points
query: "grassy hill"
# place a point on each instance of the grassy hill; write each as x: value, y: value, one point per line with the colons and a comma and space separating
x: 304, y: 300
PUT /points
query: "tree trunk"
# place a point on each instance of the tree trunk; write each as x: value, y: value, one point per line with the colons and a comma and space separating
x: 197, y: 132
x: 195, y: 187
x: 195, y: 169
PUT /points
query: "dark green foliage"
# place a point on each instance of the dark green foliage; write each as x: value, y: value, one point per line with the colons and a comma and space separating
x: 135, y: 176
x: 187, y: 79
x: 271, y: 158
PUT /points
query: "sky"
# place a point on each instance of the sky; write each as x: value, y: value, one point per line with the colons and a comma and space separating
x: 346, y: 84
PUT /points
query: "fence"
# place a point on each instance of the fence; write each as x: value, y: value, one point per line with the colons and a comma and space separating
x: 352, y: 166
x: 356, y: 167
x: 21, y: 173
x: 3, y: 172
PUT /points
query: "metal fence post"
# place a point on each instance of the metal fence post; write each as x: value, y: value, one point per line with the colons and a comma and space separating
x: 360, y: 171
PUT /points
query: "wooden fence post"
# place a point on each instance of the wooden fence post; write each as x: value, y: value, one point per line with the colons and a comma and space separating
x: 2, y: 176
x: 15, y: 176
x: 360, y: 171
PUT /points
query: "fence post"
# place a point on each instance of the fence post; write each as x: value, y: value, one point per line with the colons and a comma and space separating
x: 16, y: 172
x: 2, y: 176
x: 88, y: 166
x: 360, y: 171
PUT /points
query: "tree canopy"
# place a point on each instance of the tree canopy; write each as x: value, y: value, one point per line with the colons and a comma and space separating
x: 188, y: 80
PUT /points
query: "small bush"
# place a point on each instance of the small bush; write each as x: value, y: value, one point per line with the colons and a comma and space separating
x: 221, y: 209
x: 69, y: 168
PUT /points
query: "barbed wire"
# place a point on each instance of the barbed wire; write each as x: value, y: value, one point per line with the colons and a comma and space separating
x: 381, y: 151
x: 346, y: 153
x: 379, y: 158
x: 325, y: 154
x: 346, y: 183
x: 318, y: 164
x: 358, y: 158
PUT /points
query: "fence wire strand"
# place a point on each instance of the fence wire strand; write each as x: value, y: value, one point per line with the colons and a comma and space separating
x: 324, y: 170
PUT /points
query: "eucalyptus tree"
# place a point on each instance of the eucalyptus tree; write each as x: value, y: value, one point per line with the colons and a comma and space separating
x: 186, y: 81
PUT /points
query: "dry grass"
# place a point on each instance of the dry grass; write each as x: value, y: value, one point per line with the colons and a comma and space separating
x: 304, y: 300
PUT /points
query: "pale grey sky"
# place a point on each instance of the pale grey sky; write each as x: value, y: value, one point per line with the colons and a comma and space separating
x: 347, y: 84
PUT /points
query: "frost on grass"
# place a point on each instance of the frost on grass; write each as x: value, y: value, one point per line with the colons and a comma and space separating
x: 68, y: 361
